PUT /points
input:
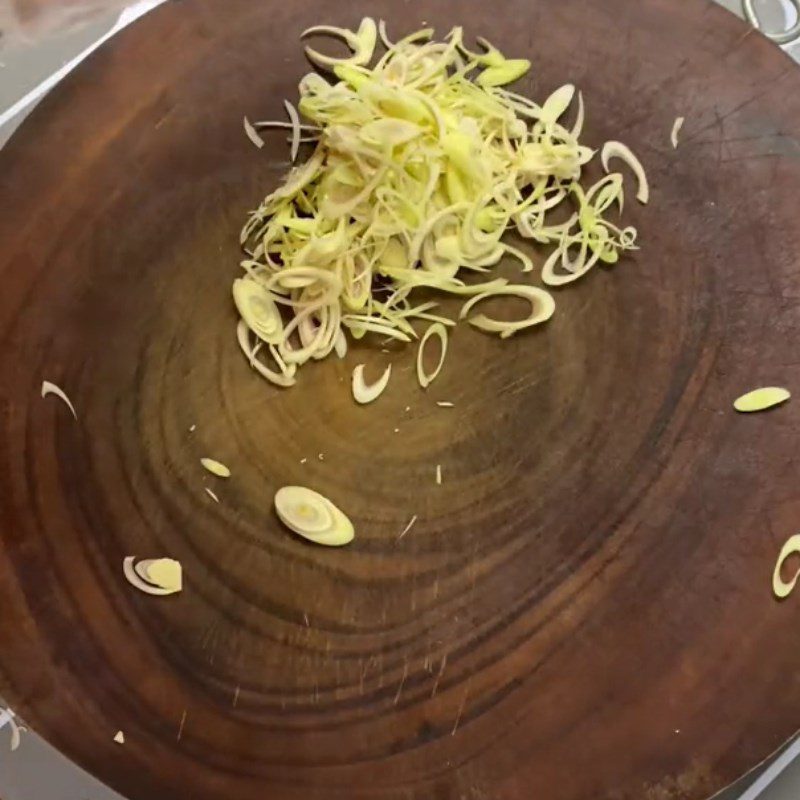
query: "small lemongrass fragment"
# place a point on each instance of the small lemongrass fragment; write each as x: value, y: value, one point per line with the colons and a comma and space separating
x: 439, y: 474
x: 135, y: 579
x: 212, y: 494
x: 408, y: 527
x: 445, y: 404
x: 761, y: 399
x: 312, y: 516
x: 780, y: 587
x: 119, y: 737
x: 426, y: 378
x: 623, y: 152
x: 8, y: 717
x: 340, y: 344
x: 508, y: 71
x: 166, y: 573
x: 295, y: 120
x: 542, y: 308
x: 366, y: 393
x: 51, y: 388
x: 252, y: 134
x: 215, y: 467
x: 676, y: 129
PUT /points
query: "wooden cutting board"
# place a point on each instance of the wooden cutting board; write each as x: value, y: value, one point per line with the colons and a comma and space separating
x: 583, y: 608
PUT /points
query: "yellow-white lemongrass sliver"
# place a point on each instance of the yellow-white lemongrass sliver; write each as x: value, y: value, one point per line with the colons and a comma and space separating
x: 622, y: 151
x: 295, y: 121
x: 426, y: 378
x: 215, y: 467
x: 340, y: 343
x: 136, y: 581
x: 780, y: 587
x: 166, y: 573
x: 676, y: 129
x: 365, y: 393
x: 542, y: 308
x: 51, y: 388
x: 508, y: 71
x: 557, y: 104
x: 252, y: 134
x: 577, y: 128
x: 278, y: 378
x: 119, y: 737
x: 761, y: 399
x: 390, y: 132
x: 362, y: 43
x: 312, y: 516
x: 258, y: 309
x: 8, y: 717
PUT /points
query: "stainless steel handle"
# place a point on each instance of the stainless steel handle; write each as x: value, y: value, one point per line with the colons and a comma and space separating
x: 789, y: 36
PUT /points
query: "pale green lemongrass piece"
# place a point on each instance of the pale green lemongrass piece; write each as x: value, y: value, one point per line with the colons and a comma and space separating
x: 780, y: 587
x: 426, y: 378
x: 542, y: 308
x: 364, y: 392
x: 761, y: 399
x: 215, y: 467
x: 312, y: 516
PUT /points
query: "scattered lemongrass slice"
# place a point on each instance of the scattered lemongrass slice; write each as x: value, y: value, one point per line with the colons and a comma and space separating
x: 780, y: 587
x: 7, y: 717
x: 119, y: 737
x: 362, y: 43
x: 313, y: 516
x: 407, y: 528
x: 212, y: 494
x: 215, y: 467
x: 542, y: 308
x: 252, y: 134
x: 366, y: 393
x: 135, y: 580
x: 283, y: 379
x: 426, y: 378
x: 166, y: 573
x: 623, y: 152
x: 258, y: 309
x: 439, y: 474
x: 445, y: 404
x: 51, y: 388
x: 761, y: 399
x: 676, y: 129
x: 295, y: 120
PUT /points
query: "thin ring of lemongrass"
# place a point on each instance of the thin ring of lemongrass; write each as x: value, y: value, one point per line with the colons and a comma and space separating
x: 533, y: 294
x: 295, y: 121
x: 51, y: 388
x: 624, y: 153
x: 782, y: 589
x: 133, y: 578
x: 363, y: 392
x: 426, y: 378
x: 278, y: 378
x: 258, y: 309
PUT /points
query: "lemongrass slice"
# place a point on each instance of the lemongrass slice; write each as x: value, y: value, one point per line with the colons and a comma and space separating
x: 312, y: 516
x: 212, y: 494
x: 295, y: 120
x: 364, y: 392
x: 557, y: 104
x: 780, y: 587
x: 408, y: 527
x: 119, y: 737
x: 215, y: 467
x: 283, y: 379
x: 510, y: 70
x: 135, y: 580
x: 340, y: 344
x: 676, y: 129
x: 166, y: 573
x: 438, y: 474
x: 426, y: 378
x: 258, y: 309
x: 445, y: 404
x: 542, y: 308
x: 362, y: 43
x: 761, y: 399
x: 51, y: 388
x: 252, y: 134
x: 618, y: 150
x: 8, y: 717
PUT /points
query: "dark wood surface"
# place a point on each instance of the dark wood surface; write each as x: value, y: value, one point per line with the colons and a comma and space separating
x: 583, y: 608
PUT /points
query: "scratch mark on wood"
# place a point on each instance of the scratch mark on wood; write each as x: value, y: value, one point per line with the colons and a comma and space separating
x: 183, y: 722
x: 439, y: 676
x: 236, y: 696
x: 460, y: 710
x: 402, y: 683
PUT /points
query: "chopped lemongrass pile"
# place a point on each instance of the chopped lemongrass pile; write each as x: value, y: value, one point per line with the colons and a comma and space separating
x: 313, y: 516
x: 761, y: 399
x: 51, y: 388
x: 215, y: 467
x: 422, y: 162
x: 161, y: 576
x: 780, y: 587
